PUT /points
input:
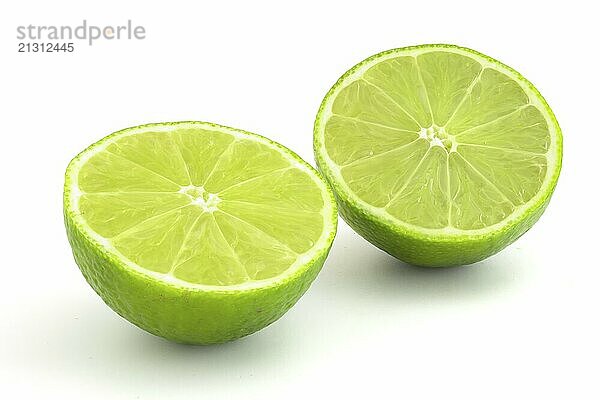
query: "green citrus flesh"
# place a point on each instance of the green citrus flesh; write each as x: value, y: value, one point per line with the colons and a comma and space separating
x: 197, y: 232
x: 437, y: 154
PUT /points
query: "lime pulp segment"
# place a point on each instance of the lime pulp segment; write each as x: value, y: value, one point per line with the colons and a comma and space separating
x: 197, y: 204
x: 439, y: 140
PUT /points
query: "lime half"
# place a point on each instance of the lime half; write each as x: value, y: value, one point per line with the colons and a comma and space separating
x: 197, y: 232
x: 438, y: 154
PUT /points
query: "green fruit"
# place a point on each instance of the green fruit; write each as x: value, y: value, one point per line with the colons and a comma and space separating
x: 438, y: 154
x: 197, y: 232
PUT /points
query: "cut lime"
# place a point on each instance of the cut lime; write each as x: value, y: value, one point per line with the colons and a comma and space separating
x: 437, y: 154
x: 197, y: 232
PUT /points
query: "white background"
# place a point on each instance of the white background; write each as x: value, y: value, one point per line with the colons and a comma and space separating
x: 522, y: 324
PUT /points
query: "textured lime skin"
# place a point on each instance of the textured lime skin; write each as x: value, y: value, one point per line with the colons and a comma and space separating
x: 181, y: 314
x: 190, y: 315
x: 432, y: 251
x: 412, y: 245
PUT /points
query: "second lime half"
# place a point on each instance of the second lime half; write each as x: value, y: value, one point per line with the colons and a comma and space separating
x: 438, y: 154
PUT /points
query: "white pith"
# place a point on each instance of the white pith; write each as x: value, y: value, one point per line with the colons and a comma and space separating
x: 436, y: 135
x: 208, y: 203
x: 430, y: 134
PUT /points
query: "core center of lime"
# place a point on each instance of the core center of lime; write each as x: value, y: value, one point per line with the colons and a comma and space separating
x: 438, y: 136
x: 200, y: 197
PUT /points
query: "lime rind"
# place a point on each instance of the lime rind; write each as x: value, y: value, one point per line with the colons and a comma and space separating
x: 449, y: 235
x: 109, y: 252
